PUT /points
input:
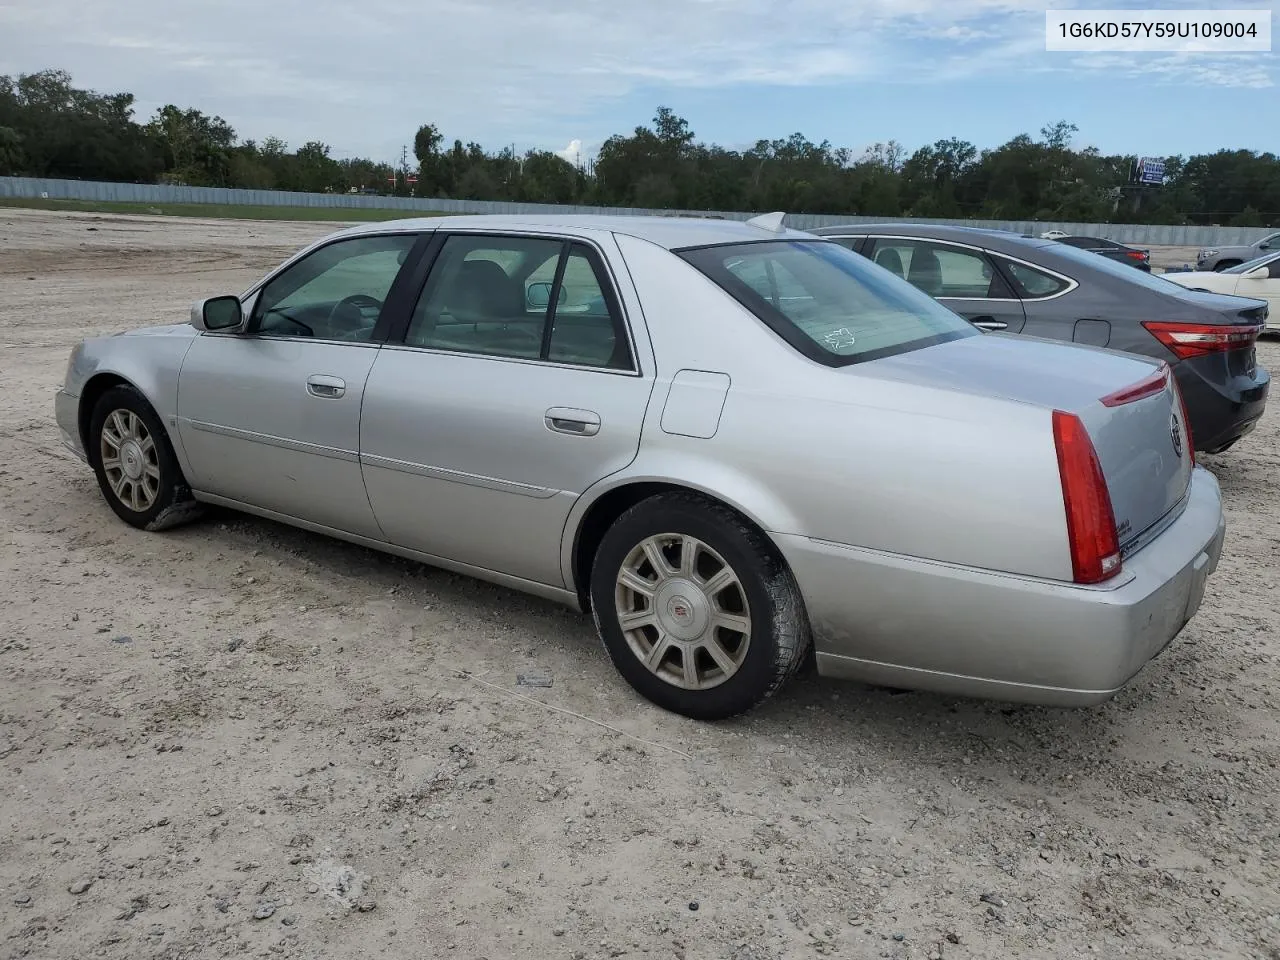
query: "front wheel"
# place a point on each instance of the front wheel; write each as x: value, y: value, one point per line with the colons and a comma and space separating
x: 137, y: 471
x: 698, y: 611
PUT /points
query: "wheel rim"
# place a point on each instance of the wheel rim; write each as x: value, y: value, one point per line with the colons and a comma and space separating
x: 129, y: 460
x: 683, y: 611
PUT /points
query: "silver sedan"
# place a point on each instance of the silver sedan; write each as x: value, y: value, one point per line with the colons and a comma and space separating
x: 735, y: 444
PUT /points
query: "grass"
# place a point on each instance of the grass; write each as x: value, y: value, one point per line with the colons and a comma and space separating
x: 220, y: 211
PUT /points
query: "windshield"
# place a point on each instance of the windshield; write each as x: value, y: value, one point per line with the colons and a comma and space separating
x: 1252, y: 264
x: 831, y: 304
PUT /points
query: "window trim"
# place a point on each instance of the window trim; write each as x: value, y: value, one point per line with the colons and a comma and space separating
x: 417, y: 282
x: 386, y: 318
x: 1071, y: 283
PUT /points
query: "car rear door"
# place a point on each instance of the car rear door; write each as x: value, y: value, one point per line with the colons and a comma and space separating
x: 270, y: 416
x: 961, y: 277
x: 514, y: 385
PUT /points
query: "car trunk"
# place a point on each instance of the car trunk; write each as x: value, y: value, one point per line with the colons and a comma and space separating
x: 1141, y: 441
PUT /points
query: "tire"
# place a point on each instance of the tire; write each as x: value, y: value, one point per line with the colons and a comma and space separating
x: 157, y: 497
x: 677, y: 619
x: 1225, y: 264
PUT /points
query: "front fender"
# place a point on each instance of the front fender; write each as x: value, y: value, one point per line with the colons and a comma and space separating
x: 149, y: 363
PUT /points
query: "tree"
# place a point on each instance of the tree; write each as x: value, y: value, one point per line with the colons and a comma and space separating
x: 197, y: 148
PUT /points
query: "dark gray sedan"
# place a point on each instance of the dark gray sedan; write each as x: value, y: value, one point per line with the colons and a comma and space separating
x: 1013, y: 284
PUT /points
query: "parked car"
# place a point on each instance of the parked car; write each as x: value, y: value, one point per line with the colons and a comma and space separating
x: 1053, y: 234
x: 1258, y: 279
x: 752, y: 441
x: 1005, y: 282
x: 1220, y: 258
x: 1119, y: 252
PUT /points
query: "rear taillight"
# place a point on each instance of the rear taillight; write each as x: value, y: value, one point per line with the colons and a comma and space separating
x: 1188, y: 340
x: 1091, y: 523
x: 1146, y: 387
x: 1186, y: 421
x: 1137, y: 255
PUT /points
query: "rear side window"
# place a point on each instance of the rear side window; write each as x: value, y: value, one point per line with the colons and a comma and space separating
x: 829, y: 303
x: 533, y: 298
x: 942, y: 270
x: 1035, y: 284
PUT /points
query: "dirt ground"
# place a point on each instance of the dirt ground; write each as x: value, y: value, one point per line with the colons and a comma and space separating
x: 241, y: 739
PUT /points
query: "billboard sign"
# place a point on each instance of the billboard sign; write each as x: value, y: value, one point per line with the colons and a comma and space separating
x: 1150, y: 170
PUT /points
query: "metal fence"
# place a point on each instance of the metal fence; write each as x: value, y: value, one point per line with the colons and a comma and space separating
x: 160, y: 194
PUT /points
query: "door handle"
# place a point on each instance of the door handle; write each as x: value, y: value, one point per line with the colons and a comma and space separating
x: 326, y: 388
x: 578, y: 423
x: 989, y: 323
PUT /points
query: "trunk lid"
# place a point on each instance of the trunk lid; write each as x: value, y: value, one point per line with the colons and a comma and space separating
x: 1142, y: 444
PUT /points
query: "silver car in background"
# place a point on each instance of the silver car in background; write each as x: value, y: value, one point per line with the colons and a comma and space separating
x: 732, y: 443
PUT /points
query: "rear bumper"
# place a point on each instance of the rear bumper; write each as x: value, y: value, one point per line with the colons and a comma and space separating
x: 900, y: 621
x: 66, y: 410
x: 1222, y: 407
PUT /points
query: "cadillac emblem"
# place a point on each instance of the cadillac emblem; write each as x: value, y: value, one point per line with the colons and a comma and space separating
x: 1175, y: 434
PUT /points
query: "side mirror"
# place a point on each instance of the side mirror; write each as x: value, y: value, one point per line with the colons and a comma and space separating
x: 217, y: 313
x: 539, y: 295
x: 1258, y: 273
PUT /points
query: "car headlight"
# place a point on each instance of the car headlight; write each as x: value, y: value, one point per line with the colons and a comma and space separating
x: 1206, y: 253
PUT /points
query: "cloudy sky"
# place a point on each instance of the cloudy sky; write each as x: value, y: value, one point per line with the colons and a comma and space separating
x: 362, y: 76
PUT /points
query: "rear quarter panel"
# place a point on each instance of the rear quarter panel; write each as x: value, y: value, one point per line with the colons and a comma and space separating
x: 836, y: 454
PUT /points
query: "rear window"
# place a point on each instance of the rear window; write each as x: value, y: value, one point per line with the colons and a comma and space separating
x: 831, y: 304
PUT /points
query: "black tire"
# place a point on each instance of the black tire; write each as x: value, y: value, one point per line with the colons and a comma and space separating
x: 172, y: 503
x: 779, y: 635
x: 1225, y: 264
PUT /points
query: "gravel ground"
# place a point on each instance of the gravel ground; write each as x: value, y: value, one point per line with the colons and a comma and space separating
x: 237, y: 738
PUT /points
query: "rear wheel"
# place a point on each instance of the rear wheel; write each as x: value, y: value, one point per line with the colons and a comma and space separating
x: 1224, y: 264
x: 696, y: 608
x: 137, y: 471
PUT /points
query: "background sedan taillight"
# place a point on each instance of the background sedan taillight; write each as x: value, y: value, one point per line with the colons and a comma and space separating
x: 1188, y: 340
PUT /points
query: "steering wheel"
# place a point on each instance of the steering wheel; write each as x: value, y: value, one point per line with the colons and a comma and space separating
x: 352, y: 308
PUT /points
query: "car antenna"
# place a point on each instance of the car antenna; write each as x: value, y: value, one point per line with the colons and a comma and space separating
x: 768, y: 221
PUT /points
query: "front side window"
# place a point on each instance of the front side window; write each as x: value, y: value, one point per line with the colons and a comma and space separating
x: 334, y: 293
x: 941, y: 270
x: 831, y: 304
x: 531, y: 298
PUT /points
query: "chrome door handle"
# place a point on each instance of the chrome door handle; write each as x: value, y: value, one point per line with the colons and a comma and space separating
x: 987, y: 323
x: 579, y: 423
x: 326, y: 388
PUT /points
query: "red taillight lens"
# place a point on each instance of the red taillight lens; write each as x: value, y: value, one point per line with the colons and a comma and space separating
x: 1147, y: 387
x: 1136, y: 255
x: 1199, y: 339
x: 1186, y: 421
x: 1091, y: 524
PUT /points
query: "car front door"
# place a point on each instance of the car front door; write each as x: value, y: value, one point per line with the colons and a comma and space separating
x: 960, y: 277
x: 270, y: 416
x: 515, y: 387
x: 1264, y: 288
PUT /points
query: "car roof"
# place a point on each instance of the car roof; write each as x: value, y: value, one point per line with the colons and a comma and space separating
x: 937, y: 231
x: 669, y: 232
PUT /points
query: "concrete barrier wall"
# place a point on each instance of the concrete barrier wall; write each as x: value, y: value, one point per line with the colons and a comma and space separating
x: 152, y: 193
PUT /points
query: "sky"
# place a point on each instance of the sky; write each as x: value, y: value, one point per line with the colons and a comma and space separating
x: 565, y: 74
